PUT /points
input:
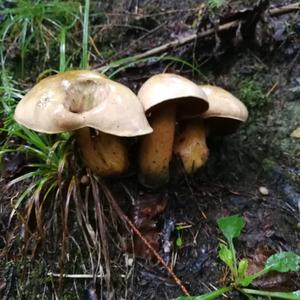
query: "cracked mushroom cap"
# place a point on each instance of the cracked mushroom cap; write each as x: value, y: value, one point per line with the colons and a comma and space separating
x: 77, y: 99
x: 226, y: 112
x: 190, y: 99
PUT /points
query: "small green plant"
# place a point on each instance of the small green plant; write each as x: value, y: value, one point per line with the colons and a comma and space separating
x: 8, y: 99
x: 215, y: 4
x: 47, y: 154
x: 179, y: 240
x: 29, y: 25
x: 252, y: 94
x: 48, y: 167
x: 231, y: 228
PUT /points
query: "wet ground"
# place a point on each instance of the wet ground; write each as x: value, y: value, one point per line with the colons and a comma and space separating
x: 254, y: 173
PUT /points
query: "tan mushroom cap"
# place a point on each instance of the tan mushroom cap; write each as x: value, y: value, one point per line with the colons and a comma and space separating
x: 226, y: 112
x: 171, y: 87
x: 77, y: 99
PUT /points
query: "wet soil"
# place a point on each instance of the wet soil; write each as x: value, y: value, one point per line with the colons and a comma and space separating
x: 262, y: 154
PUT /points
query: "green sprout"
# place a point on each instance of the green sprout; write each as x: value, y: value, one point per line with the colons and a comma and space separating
x: 282, y: 262
x: 179, y: 233
x: 36, y: 25
x: 215, y: 4
x: 179, y: 241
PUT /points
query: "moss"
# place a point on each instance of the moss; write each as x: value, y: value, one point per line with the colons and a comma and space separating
x: 252, y: 94
x: 268, y: 164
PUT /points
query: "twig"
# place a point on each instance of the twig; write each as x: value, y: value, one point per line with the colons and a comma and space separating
x: 292, y: 63
x: 187, y: 39
x: 138, y: 233
x: 272, y: 89
x: 285, y: 9
x: 184, y: 40
x: 74, y: 276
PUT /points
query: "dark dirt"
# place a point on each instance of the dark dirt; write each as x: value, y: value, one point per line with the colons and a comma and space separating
x: 261, y: 154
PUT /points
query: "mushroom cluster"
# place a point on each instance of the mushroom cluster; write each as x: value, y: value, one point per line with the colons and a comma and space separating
x: 171, y: 100
x: 167, y: 99
x: 102, y: 112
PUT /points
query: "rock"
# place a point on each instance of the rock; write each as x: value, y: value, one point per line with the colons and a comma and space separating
x: 263, y: 190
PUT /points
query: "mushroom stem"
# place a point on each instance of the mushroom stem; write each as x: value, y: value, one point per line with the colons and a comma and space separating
x: 156, y: 148
x: 191, y: 146
x: 104, y: 154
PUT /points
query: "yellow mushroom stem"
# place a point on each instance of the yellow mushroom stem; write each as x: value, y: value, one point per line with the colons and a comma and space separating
x: 191, y: 146
x: 105, y: 154
x: 156, y: 148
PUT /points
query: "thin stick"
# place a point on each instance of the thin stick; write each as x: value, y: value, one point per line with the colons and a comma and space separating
x: 139, y: 234
x: 285, y: 9
x: 272, y: 89
x: 74, y: 276
x: 184, y: 40
x: 187, y: 39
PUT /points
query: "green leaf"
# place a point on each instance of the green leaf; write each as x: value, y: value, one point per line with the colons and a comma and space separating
x: 242, y: 268
x: 179, y: 241
x: 247, y: 280
x: 283, y: 262
x: 208, y: 296
x: 231, y: 226
x: 85, y: 36
x: 226, y: 255
x: 213, y: 4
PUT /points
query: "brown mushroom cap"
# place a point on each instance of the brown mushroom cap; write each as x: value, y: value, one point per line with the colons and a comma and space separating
x: 171, y: 87
x: 226, y: 113
x: 165, y: 95
x: 77, y: 99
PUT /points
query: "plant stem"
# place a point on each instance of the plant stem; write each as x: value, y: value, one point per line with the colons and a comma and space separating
x: 62, y: 50
x: 259, y: 274
x: 279, y: 295
x: 235, y: 267
x: 214, y: 294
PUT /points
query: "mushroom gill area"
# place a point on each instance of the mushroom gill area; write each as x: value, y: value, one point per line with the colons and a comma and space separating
x: 83, y: 96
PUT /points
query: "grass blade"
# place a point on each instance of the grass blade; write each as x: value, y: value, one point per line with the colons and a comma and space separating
x: 85, y: 36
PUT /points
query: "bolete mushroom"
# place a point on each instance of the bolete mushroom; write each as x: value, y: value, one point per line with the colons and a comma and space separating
x: 99, y: 110
x: 164, y: 96
x: 225, y: 114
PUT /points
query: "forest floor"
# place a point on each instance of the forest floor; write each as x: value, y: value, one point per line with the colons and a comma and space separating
x: 254, y: 173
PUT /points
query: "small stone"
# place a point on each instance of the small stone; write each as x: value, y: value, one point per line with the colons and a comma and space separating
x: 85, y: 180
x: 263, y: 190
x: 128, y: 260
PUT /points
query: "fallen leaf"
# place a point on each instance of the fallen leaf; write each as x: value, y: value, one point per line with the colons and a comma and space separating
x: 296, y: 133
